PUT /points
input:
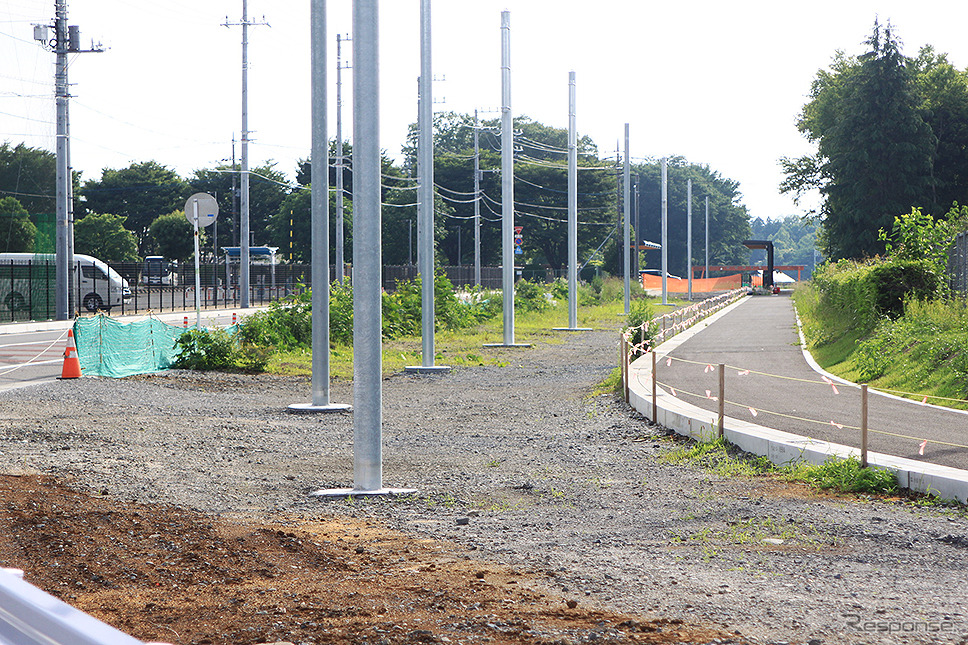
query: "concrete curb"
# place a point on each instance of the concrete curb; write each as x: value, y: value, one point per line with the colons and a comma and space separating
x: 780, y: 447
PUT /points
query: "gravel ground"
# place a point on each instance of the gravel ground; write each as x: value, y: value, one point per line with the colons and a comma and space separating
x: 525, y: 467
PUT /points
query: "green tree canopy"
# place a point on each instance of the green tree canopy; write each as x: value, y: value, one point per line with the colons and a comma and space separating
x: 292, y: 224
x: 139, y: 193
x: 173, y: 237
x: 17, y: 232
x: 875, y: 151
x: 268, y: 187
x: 729, y: 223
x: 104, y: 236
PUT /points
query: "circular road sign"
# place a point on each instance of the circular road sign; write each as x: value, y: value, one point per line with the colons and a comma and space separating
x: 207, y: 209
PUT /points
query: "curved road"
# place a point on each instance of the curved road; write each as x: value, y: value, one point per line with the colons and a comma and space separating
x: 760, y: 335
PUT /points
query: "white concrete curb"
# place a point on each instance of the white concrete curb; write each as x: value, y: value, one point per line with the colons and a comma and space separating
x: 780, y: 447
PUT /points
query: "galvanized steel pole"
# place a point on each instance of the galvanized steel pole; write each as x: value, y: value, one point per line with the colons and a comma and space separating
x: 665, y: 230
x: 627, y: 218
x: 367, y: 251
x: 477, y: 203
x: 425, y: 197
x: 572, y: 204
x: 244, y: 237
x: 319, y: 200
x: 507, y: 180
x: 340, y: 242
x: 689, y: 234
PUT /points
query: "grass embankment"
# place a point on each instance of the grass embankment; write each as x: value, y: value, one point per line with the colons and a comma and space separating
x: 923, y: 352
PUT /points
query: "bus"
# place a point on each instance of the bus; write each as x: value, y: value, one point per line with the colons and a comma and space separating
x: 157, y: 270
x: 27, y: 284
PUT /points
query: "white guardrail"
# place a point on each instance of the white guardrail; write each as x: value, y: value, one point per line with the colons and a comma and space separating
x: 30, y: 616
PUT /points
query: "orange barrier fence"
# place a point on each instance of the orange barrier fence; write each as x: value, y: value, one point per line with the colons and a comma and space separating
x: 702, y: 285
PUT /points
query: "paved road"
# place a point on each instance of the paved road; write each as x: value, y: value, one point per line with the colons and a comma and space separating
x: 28, y: 357
x: 760, y: 335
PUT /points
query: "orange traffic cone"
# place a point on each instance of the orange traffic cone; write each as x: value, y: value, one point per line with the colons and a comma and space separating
x: 72, y: 366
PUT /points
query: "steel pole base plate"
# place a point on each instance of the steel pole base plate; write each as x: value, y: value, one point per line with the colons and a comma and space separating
x: 309, y: 408
x: 508, y: 345
x: 426, y: 369
x: 571, y: 329
x: 353, y: 492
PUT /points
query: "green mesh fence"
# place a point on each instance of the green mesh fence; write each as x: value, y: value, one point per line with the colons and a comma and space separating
x: 106, y: 347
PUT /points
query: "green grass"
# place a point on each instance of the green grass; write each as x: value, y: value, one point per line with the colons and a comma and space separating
x: 844, y: 476
x: 924, y: 352
x: 719, y: 458
x: 839, y: 475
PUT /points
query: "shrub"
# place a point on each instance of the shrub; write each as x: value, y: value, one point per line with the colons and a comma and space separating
x: 641, y: 322
x: 530, y: 296
x: 895, y: 280
x: 205, y: 349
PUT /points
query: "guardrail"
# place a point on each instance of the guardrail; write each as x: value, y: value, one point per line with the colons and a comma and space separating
x: 30, y: 616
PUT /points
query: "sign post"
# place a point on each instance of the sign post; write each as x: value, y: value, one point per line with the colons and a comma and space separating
x: 201, y: 209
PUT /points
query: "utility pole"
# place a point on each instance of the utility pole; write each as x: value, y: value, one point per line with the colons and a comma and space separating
x: 707, y: 236
x: 425, y: 198
x: 507, y: 188
x: 340, y: 242
x: 689, y: 234
x: 572, y: 209
x: 627, y: 217
x: 477, y: 203
x: 244, y: 215
x: 66, y: 40
x: 665, y: 230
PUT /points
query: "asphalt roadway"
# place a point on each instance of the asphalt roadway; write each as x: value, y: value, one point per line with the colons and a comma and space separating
x: 760, y: 335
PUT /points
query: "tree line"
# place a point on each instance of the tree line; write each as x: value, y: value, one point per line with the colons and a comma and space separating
x: 891, y: 134
x: 128, y: 213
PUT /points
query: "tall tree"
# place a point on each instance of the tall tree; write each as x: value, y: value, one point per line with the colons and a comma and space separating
x: 173, y: 237
x: 139, y: 193
x: 943, y: 94
x: 104, y: 236
x: 874, y: 148
x: 729, y: 223
x: 17, y: 232
x: 291, y: 225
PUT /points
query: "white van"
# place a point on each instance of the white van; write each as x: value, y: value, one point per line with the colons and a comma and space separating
x: 27, y: 283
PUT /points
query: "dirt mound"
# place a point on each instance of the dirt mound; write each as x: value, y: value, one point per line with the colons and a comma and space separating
x: 165, y: 573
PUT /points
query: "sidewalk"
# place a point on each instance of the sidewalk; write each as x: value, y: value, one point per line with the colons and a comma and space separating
x: 172, y: 318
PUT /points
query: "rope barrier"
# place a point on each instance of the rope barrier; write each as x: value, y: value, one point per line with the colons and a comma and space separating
x: 29, y: 362
x: 675, y: 392
x: 681, y: 319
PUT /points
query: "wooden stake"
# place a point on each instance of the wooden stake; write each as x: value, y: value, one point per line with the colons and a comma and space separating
x: 863, y: 425
x: 722, y: 397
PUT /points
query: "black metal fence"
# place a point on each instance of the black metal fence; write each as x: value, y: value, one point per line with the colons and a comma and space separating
x: 27, y: 287
x: 958, y: 263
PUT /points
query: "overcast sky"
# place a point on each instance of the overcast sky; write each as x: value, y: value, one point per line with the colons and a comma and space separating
x: 718, y: 83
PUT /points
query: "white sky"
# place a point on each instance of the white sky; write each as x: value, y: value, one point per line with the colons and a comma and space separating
x: 719, y: 83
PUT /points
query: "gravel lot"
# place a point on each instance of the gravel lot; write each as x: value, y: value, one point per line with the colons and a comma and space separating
x: 542, y: 476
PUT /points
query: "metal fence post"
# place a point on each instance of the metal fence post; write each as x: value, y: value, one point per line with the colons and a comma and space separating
x: 655, y: 404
